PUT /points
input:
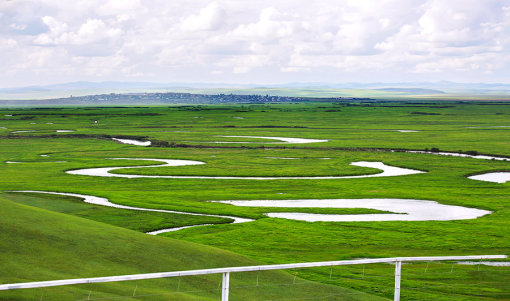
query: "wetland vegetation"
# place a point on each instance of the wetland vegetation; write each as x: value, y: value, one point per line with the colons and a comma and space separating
x: 47, y: 237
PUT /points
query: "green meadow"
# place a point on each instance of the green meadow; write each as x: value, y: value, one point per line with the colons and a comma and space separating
x: 49, y: 237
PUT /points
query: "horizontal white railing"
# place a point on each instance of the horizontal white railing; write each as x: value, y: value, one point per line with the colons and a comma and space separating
x: 225, y: 271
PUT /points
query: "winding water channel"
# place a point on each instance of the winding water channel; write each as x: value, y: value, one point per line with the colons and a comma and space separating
x: 132, y: 142
x: 105, y: 202
x: 495, y: 177
x: 282, y: 139
x: 387, y: 171
x: 404, y: 210
x: 401, y: 209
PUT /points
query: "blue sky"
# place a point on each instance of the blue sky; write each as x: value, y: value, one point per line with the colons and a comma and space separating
x: 53, y: 41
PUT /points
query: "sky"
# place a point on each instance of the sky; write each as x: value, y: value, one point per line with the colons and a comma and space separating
x: 258, y: 42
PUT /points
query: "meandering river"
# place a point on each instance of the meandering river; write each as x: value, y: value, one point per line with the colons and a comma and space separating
x: 387, y: 171
x: 401, y: 209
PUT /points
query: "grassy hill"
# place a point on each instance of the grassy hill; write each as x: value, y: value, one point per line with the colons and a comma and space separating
x: 42, y: 245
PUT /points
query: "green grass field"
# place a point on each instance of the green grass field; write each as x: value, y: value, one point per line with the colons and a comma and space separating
x: 46, y: 237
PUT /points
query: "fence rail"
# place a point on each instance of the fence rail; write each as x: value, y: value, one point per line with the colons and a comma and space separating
x: 226, y: 272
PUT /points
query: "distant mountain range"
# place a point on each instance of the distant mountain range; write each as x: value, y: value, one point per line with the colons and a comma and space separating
x: 401, y: 90
x: 417, y: 91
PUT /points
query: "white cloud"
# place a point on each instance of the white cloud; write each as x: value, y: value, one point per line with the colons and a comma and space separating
x: 93, y: 30
x: 244, y: 63
x: 209, y: 18
x: 8, y: 43
x: 116, y: 7
x: 260, y: 40
x: 271, y: 25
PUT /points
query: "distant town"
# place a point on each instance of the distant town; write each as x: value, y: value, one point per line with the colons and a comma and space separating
x: 179, y: 98
x: 171, y: 98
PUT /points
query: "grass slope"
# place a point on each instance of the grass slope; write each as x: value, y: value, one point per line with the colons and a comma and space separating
x: 41, y: 245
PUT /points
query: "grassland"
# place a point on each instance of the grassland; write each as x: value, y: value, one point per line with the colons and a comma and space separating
x: 40, y: 244
x: 356, y: 132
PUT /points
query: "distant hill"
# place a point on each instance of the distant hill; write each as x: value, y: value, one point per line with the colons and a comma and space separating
x: 415, y: 91
x: 54, y: 94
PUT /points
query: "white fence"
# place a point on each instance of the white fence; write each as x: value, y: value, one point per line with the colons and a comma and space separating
x: 226, y: 272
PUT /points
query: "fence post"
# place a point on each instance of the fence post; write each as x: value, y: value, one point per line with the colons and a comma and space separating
x: 398, y: 266
x: 225, y: 286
